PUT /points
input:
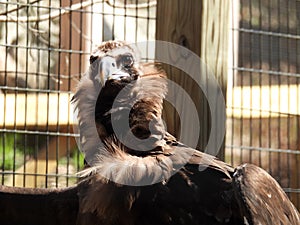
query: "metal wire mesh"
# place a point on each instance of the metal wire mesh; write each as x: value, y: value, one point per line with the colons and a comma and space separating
x: 44, y: 48
x: 264, y: 91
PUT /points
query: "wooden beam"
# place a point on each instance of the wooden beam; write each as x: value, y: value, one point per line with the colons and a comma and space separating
x: 264, y: 101
x: 202, y: 27
x: 75, y: 27
x: 36, y: 111
x: 215, y: 35
x: 180, y: 22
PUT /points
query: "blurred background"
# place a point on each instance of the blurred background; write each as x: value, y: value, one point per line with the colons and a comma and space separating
x: 252, y: 46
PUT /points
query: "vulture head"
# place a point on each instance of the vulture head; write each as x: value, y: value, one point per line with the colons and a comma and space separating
x: 114, y: 61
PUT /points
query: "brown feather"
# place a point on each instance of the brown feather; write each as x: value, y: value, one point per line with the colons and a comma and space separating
x: 261, y: 197
x: 36, y: 206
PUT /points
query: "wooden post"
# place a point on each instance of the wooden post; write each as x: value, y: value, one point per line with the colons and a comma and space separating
x: 74, y: 29
x: 202, y: 27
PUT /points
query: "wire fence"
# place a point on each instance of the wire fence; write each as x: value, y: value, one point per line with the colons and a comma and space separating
x: 263, y: 125
x: 44, y: 49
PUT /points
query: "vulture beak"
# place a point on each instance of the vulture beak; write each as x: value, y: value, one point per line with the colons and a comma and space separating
x: 114, y: 68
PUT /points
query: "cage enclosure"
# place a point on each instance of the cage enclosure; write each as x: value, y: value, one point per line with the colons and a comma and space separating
x: 252, y: 48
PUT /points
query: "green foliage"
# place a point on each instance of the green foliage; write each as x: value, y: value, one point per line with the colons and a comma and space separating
x: 76, y: 160
x: 11, y: 154
x: 16, y: 149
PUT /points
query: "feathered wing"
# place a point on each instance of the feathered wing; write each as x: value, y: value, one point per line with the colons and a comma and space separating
x: 261, y: 198
x: 186, y: 187
x: 178, y: 186
x: 36, y: 206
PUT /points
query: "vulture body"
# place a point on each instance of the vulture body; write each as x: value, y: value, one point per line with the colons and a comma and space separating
x: 143, y: 174
x: 139, y: 174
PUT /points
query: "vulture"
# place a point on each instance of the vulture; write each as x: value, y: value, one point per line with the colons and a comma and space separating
x: 136, y: 172
x: 141, y: 174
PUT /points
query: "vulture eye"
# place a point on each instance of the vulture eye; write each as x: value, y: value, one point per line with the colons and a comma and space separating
x: 126, y: 61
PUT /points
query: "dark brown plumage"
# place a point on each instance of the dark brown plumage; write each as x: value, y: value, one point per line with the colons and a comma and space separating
x: 32, y: 206
x: 261, y: 198
x: 148, y: 178
x: 166, y: 182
